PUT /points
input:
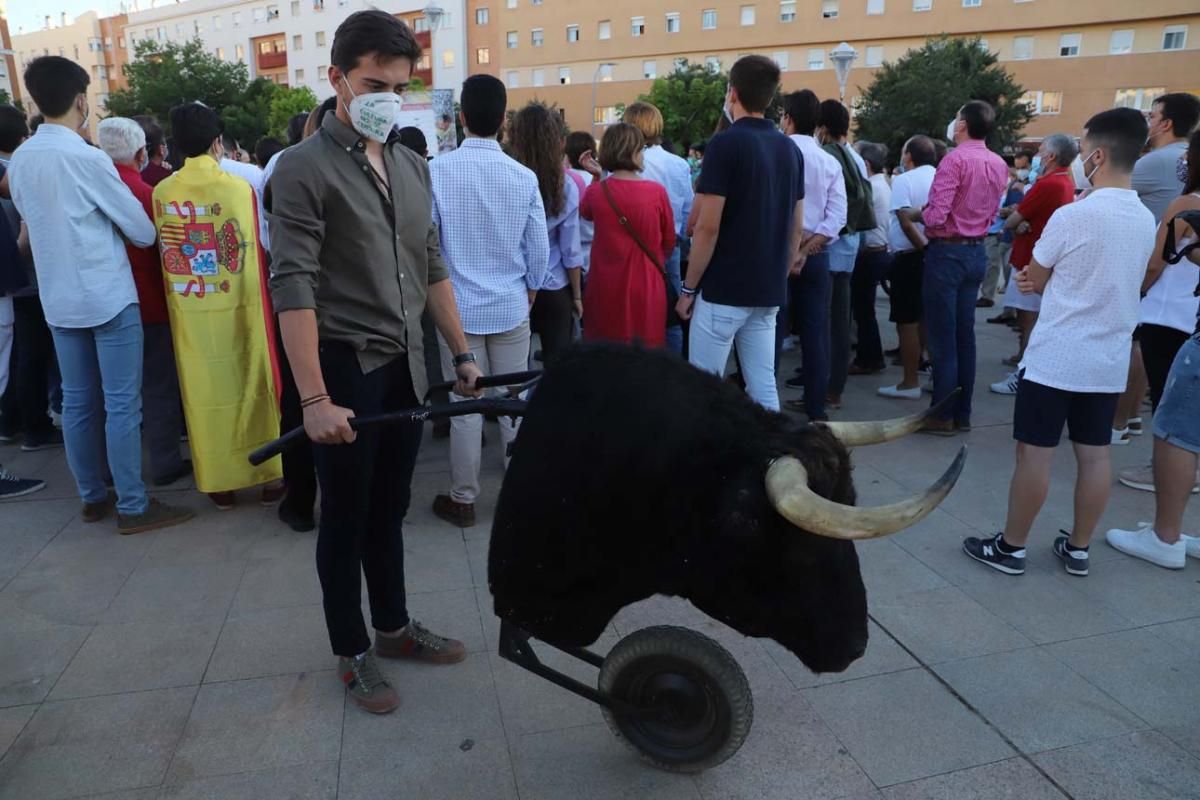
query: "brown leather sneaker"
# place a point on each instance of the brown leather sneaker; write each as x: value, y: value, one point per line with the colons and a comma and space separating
x: 418, y: 644
x: 272, y: 493
x: 366, y: 685
x: 939, y: 427
x: 460, y: 514
x: 157, y: 515
x: 94, y: 512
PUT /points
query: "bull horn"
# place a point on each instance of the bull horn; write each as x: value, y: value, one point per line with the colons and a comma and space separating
x: 857, y: 434
x: 787, y: 486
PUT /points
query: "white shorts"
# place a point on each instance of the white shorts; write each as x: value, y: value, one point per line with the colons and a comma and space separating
x: 1014, y: 298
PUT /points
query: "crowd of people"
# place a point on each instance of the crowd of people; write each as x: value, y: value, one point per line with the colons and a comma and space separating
x: 174, y: 289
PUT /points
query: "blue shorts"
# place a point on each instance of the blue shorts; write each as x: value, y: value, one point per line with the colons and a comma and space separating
x: 1041, y: 412
x: 1177, y: 420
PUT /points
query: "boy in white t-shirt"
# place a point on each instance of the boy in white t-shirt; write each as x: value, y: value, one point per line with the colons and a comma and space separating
x: 1088, y: 267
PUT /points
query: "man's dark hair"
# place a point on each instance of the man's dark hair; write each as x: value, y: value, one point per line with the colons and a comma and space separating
x: 483, y: 100
x: 756, y: 79
x: 1025, y: 154
x: 874, y: 154
x: 414, y: 139
x: 921, y: 151
x: 264, y: 148
x: 835, y: 119
x: 153, y: 131
x: 372, y: 31
x: 1121, y: 132
x: 1183, y: 109
x: 940, y: 149
x: 578, y: 143
x: 980, y: 118
x: 699, y: 147
x: 803, y: 109
x: 35, y: 122
x: 227, y: 141
x: 295, y: 127
x: 13, y: 127
x: 54, y: 82
x: 194, y: 127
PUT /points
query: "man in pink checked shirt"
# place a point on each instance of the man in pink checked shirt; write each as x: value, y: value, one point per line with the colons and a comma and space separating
x: 962, y: 204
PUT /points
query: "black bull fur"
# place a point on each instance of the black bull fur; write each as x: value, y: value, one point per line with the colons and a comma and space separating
x: 636, y: 474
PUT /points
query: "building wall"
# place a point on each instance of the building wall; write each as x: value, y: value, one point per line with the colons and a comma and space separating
x: 82, y: 42
x: 1088, y: 82
x: 9, y: 82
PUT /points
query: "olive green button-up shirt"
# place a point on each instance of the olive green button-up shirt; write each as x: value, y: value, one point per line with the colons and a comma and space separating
x: 339, y: 245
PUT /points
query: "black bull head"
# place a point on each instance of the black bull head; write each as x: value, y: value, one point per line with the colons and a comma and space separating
x: 635, y: 474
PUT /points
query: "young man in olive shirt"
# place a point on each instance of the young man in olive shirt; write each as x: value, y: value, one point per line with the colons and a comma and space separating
x: 356, y: 259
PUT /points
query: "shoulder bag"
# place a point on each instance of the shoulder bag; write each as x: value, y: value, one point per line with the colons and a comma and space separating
x: 672, y: 293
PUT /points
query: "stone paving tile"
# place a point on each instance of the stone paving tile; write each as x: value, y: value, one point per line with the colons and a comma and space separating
x: 945, y: 624
x: 138, y: 656
x: 1036, y: 701
x: 1184, y: 634
x: 1142, y: 592
x: 313, y: 781
x: 176, y: 594
x: 12, y: 721
x: 277, y: 641
x: 1013, y: 779
x: 95, y: 745
x: 33, y: 657
x: 278, y: 583
x: 875, y: 719
x: 454, y: 613
x: 431, y: 768
x: 588, y: 763
x: 888, y: 570
x: 1143, y: 765
x: 883, y: 655
x: 264, y: 723
x: 27, y: 529
x: 149, y: 793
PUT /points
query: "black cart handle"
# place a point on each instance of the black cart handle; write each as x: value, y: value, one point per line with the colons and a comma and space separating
x: 490, y: 381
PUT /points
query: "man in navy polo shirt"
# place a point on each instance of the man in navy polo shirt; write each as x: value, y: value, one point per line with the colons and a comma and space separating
x: 747, y: 235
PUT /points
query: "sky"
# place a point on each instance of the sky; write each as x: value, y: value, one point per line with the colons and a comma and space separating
x: 30, y: 14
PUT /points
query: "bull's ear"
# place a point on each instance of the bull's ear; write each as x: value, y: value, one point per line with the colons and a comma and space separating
x: 787, y: 486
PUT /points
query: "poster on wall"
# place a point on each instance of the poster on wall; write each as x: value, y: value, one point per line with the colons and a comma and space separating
x: 443, y: 120
x: 416, y: 111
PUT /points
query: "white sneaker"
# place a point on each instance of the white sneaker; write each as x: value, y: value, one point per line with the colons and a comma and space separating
x: 1008, y: 385
x: 1191, y: 544
x: 1146, y: 545
x: 895, y: 392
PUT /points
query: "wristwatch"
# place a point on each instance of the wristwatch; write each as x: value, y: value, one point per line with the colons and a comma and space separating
x: 464, y: 358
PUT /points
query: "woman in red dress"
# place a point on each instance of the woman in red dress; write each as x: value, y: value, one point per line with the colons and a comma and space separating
x: 626, y: 296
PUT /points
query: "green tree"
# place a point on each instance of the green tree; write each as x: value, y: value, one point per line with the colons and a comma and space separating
x: 164, y: 74
x: 247, y: 119
x: 690, y: 99
x: 416, y: 85
x: 6, y: 98
x: 285, y: 104
x: 923, y: 91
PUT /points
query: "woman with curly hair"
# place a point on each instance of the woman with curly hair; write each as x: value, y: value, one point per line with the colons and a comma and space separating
x: 537, y: 138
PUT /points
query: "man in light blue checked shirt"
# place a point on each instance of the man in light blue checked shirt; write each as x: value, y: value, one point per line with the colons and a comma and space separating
x: 494, y: 240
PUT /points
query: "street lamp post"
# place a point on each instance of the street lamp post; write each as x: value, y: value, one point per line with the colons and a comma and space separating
x: 596, y: 77
x: 842, y: 57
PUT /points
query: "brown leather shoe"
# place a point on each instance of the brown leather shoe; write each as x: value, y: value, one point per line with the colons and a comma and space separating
x: 366, y: 685
x: 857, y: 369
x: 984, y: 302
x: 962, y: 427
x: 459, y: 514
x: 94, y: 512
x: 416, y: 643
x: 939, y: 427
x: 223, y: 500
x: 272, y: 493
x: 157, y: 515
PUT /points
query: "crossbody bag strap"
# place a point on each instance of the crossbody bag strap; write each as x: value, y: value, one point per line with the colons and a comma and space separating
x: 621, y: 218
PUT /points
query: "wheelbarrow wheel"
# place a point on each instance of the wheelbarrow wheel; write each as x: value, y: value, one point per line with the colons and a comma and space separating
x: 704, y: 704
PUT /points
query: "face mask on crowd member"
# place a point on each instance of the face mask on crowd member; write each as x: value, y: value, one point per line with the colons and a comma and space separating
x: 373, y: 114
x: 950, y: 129
x: 1077, y: 173
x: 1035, y: 167
x: 1022, y: 174
x: 370, y: 92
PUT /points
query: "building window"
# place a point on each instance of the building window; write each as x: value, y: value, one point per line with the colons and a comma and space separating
x: 1174, y: 37
x: 787, y: 11
x: 673, y: 23
x: 708, y: 19
x: 510, y: 40
x: 782, y: 59
x: 447, y: 59
x: 983, y: 45
x: 178, y: 32
x: 604, y: 30
x: 297, y: 42
x: 295, y: 8
x: 260, y: 15
x: 1141, y: 99
x: 424, y: 63
x: 1043, y: 102
x: 650, y: 69
x: 221, y: 53
x: 874, y: 55
x: 1068, y: 44
x: 829, y: 9
x: 713, y: 63
x: 421, y: 24
x: 874, y: 7
x: 237, y: 18
x: 747, y: 16
x: 239, y: 52
x: 318, y: 5
x: 265, y: 48
x: 511, y: 4
x: 483, y: 56
x: 299, y: 75
x: 606, y: 73
x: 216, y: 21
x: 322, y: 73
x: 121, y: 40
x: 513, y: 79
x: 922, y: 5
x: 537, y: 37
x: 637, y: 26
x: 539, y: 77
x: 972, y: 3
x: 1120, y: 42
x: 564, y: 76
x: 816, y: 58
x: 1022, y: 47
x: 481, y: 16
x: 320, y: 38
x: 572, y: 33
x: 604, y: 115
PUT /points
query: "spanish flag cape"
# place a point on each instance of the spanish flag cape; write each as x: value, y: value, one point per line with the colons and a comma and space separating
x: 216, y: 285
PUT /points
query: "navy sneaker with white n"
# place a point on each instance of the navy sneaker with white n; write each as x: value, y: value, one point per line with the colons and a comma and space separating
x: 996, y: 554
x: 11, y: 486
x: 1075, y: 561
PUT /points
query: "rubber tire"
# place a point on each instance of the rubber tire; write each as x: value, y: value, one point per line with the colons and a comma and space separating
x: 704, y: 655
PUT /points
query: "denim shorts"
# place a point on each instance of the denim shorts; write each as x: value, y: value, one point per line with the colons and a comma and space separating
x: 1177, y: 420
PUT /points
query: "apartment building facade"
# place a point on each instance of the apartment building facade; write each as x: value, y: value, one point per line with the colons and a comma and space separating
x: 1075, y: 57
x: 8, y: 61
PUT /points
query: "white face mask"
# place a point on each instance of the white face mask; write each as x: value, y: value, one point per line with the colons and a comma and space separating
x: 950, y: 129
x: 727, y: 109
x: 374, y: 114
x: 1087, y: 176
x: 1022, y: 174
x: 87, y: 115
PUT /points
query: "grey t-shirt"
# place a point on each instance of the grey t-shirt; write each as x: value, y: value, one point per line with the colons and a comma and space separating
x: 1154, y: 178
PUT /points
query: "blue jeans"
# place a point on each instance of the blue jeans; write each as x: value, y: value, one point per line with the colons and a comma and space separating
x: 810, y: 298
x: 674, y: 332
x: 953, y: 273
x: 714, y: 329
x: 102, y: 406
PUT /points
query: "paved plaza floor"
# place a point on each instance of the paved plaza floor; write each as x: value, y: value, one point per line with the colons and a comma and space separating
x: 193, y: 662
